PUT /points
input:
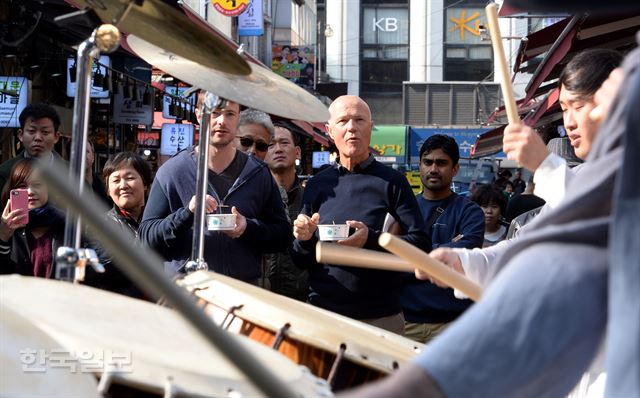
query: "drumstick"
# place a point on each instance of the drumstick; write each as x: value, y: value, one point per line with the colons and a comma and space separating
x: 501, y: 61
x: 344, y: 255
x: 433, y: 267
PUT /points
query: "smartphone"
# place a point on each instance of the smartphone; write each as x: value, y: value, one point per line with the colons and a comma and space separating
x: 20, y: 200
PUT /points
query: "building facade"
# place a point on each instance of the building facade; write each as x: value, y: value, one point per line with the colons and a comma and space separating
x: 377, y: 45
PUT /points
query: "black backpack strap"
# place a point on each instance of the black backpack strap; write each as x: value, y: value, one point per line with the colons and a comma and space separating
x: 439, y: 210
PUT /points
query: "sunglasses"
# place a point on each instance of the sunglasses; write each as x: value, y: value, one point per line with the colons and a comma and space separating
x: 248, y: 142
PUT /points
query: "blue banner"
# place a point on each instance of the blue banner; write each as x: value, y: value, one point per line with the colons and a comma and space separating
x: 464, y: 137
x: 250, y: 22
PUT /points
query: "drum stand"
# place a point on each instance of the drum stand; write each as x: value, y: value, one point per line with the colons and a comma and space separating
x: 197, y: 263
x: 71, y: 256
x: 141, y: 267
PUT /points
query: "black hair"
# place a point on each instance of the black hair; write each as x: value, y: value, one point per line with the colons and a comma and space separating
x: 444, y: 142
x: 39, y: 110
x: 490, y: 194
x: 586, y: 72
x: 123, y: 159
x: 502, y: 183
x: 294, y: 136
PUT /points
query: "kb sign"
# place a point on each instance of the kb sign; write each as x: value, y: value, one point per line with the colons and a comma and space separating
x: 385, y: 24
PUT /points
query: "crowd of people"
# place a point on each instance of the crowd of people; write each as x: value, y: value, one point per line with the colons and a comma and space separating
x: 251, y: 170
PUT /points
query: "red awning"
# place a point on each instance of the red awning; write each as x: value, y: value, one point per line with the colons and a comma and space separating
x: 559, y: 42
x: 488, y: 143
x: 309, y: 128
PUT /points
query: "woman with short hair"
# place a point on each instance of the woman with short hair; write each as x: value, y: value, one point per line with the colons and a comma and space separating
x: 127, y: 177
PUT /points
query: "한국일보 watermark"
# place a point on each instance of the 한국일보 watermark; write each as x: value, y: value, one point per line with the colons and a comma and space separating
x: 76, y: 361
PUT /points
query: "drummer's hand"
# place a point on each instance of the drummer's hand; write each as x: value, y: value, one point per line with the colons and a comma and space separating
x: 210, y: 204
x: 522, y: 144
x: 304, y: 226
x: 449, y: 258
x: 11, y: 220
x: 241, y: 224
x: 605, y: 95
x: 359, y: 238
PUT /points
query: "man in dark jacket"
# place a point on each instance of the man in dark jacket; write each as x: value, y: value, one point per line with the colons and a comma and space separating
x: 360, y: 192
x: 236, y: 180
x: 38, y: 133
x: 451, y: 221
x: 284, y: 277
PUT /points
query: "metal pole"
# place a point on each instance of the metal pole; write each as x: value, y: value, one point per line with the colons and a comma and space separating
x: 87, y: 52
x: 144, y: 268
x: 196, y: 261
x: 316, y: 68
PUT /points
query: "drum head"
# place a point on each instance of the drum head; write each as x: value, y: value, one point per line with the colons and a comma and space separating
x: 33, y: 365
x: 366, y: 345
x: 144, y: 344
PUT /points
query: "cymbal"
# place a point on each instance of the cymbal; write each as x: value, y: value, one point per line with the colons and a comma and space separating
x: 166, y: 27
x: 262, y: 89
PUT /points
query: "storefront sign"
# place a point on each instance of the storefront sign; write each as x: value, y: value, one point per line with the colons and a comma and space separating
x: 465, y: 138
x: 175, y: 137
x: 13, y: 99
x: 128, y: 111
x: 385, y: 25
x: 320, y: 158
x: 96, y: 92
x: 294, y: 63
x: 463, y: 25
x: 390, y: 142
x: 177, y: 92
x: 230, y: 8
x: 250, y: 21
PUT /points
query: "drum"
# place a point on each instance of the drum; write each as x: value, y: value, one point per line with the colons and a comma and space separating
x: 137, y: 348
x: 22, y: 374
x: 342, y: 350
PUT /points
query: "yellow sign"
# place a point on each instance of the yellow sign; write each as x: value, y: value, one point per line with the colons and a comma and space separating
x: 461, y: 23
x: 389, y: 149
x: 230, y: 8
x: 414, y: 181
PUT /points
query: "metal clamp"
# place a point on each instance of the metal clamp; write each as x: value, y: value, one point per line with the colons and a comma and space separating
x: 333, y: 373
x: 226, y: 322
x: 282, y: 333
x: 68, y: 258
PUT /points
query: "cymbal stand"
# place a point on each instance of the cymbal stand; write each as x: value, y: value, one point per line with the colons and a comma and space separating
x: 197, y: 263
x: 104, y: 38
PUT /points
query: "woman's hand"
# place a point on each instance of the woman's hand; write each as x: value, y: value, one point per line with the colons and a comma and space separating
x: 11, y: 220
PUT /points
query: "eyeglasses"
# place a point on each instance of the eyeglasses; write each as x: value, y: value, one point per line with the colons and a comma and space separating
x: 249, y: 141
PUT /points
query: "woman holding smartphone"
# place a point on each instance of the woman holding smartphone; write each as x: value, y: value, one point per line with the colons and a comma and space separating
x: 31, y: 229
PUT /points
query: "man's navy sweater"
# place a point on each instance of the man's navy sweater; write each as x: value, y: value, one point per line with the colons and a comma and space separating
x: 424, y: 302
x: 167, y: 223
x: 367, y: 194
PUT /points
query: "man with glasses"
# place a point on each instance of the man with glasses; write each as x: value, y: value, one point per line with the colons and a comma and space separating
x: 237, y: 181
x: 255, y: 131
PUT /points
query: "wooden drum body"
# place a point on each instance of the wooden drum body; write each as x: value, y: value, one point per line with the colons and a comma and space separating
x: 344, y: 351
